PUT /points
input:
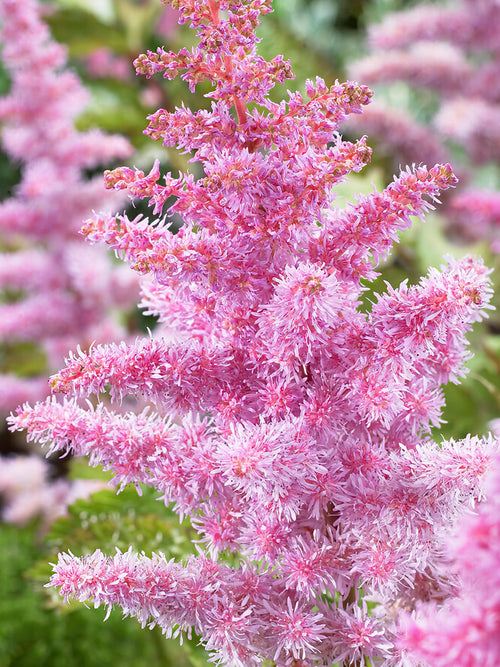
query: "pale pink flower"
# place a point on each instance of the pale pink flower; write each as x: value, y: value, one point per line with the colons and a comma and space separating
x: 467, y: 629
x: 103, y: 62
x: 27, y: 491
x: 292, y: 423
x: 55, y: 292
x: 451, y: 51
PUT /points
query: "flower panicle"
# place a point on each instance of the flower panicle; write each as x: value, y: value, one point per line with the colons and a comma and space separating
x: 292, y: 423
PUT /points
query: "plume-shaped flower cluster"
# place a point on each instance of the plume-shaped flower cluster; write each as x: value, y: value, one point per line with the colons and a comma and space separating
x: 467, y: 630
x: 291, y: 421
x: 27, y: 490
x: 451, y: 52
x: 56, y: 292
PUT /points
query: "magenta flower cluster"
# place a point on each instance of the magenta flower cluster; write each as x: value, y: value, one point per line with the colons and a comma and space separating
x: 290, y: 420
x: 55, y: 292
x: 452, y: 53
x: 466, y: 630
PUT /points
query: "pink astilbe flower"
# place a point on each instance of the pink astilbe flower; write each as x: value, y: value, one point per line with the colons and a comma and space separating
x: 102, y: 62
x: 467, y: 630
x: 27, y: 492
x: 54, y: 291
x: 292, y: 424
x: 451, y: 50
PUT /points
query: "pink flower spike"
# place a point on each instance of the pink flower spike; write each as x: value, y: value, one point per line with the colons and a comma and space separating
x: 291, y: 418
x: 54, y: 293
x: 297, y: 632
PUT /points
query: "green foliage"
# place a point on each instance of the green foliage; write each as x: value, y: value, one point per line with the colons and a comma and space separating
x: 83, y: 32
x: 24, y: 359
x: 38, y: 628
x: 10, y: 175
x: 31, y: 634
x: 110, y: 521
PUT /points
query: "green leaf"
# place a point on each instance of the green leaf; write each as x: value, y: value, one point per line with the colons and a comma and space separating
x: 82, y: 32
x: 24, y: 359
x: 108, y: 521
x: 137, y: 20
x: 102, y: 9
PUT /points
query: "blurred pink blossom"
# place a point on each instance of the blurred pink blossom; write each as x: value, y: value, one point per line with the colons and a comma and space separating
x: 55, y: 292
x: 103, y: 62
x: 453, y: 51
x: 27, y: 491
x: 289, y: 421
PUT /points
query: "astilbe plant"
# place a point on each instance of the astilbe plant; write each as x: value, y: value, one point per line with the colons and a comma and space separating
x: 55, y: 291
x: 450, y: 51
x: 291, y: 421
x: 466, y: 631
x: 27, y: 491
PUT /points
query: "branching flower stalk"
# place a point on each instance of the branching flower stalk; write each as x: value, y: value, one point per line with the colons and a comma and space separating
x: 450, y: 51
x: 55, y: 292
x: 291, y: 424
x: 466, y: 630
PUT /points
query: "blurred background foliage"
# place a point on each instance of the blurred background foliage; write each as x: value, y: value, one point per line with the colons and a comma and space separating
x: 38, y: 629
x: 103, y: 37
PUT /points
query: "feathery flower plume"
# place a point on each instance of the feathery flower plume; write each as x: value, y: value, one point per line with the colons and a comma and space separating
x: 55, y: 292
x: 291, y: 423
x: 452, y: 51
x: 467, y: 629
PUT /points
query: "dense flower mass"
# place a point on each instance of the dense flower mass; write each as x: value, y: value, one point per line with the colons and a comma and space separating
x: 27, y: 491
x: 54, y: 291
x: 450, y: 51
x: 291, y: 422
x: 467, y: 630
